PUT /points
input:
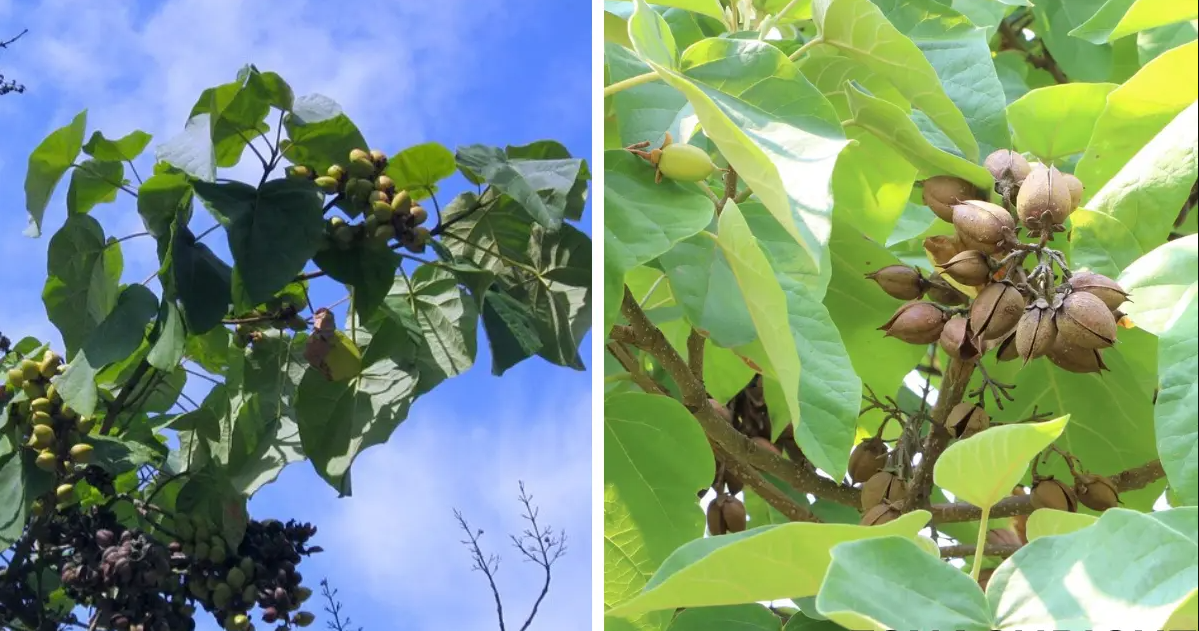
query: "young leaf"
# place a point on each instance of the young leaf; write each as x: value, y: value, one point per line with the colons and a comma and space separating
x: 983, y: 469
x: 419, y: 168
x: 123, y: 149
x: 1056, y: 121
x: 82, y: 275
x: 94, y: 182
x: 47, y: 164
x: 1118, y: 18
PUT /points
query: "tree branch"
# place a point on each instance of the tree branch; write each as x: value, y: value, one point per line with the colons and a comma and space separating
x: 953, y: 388
x: 990, y: 550
x: 487, y: 565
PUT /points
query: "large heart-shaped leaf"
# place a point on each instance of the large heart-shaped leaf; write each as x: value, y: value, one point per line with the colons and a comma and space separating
x: 983, y: 468
x: 83, y: 271
x: 47, y: 164
x: 1118, y: 18
x: 1056, y: 121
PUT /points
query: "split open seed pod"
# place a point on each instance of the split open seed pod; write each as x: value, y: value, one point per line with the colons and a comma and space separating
x: 942, y: 192
x: 966, y: 419
x: 1104, y: 288
x: 1096, y: 492
x: 1054, y: 494
x: 1085, y: 321
x: 1036, y: 331
x: 879, y: 515
x: 996, y: 310
x: 982, y: 225
x: 916, y: 323
x: 1044, y: 199
x: 1075, y: 358
x: 1007, y: 166
x: 971, y: 267
x: 941, y: 292
x: 942, y: 247
x: 867, y: 459
x: 883, y: 485
x: 957, y: 341
x: 899, y: 281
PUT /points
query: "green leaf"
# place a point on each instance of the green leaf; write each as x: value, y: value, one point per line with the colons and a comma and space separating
x: 369, y: 269
x: 210, y: 496
x: 1078, y: 59
x: 1117, y: 18
x: 1056, y: 121
x: 983, y: 469
x: 961, y: 57
x: 419, y: 168
x: 94, y: 182
x: 276, y: 91
x: 559, y: 292
x: 1046, y: 522
x: 117, y: 456
x: 542, y: 187
x: 201, y: 280
x: 117, y: 337
x: 644, y: 112
x: 772, y: 126
x: 656, y: 458
x: 891, y: 583
x: 740, y: 617
x: 704, y: 286
x: 652, y: 38
x: 1071, y: 581
x: 81, y: 282
x: 191, y: 150
x: 167, y: 350
x: 124, y: 149
x: 14, y: 498
x: 889, y: 124
x: 47, y: 164
x: 1137, y: 110
x: 320, y: 134
x: 759, y: 564
x: 440, y: 314
x: 766, y: 301
x: 710, y: 8
x: 237, y: 112
x: 1153, y: 42
x: 1135, y: 211
x: 861, y: 32
x: 511, y: 331
x: 162, y: 198
x: 1162, y: 285
x: 273, y: 230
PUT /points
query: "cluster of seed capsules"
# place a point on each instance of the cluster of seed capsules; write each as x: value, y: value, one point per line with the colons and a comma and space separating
x: 261, y: 571
x: 1068, y: 318
x: 388, y: 214
x: 48, y: 426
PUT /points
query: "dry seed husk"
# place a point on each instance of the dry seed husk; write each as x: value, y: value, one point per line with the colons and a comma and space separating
x: 1075, y: 186
x: 996, y: 311
x: 1007, y: 165
x: 969, y: 268
x: 1005, y: 349
x: 867, y: 459
x: 733, y: 513
x: 899, y: 281
x: 1104, y: 288
x: 942, y: 247
x: 879, y: 515
x: 716, y: 516
x: 916, y: 323
x: 1096, y: 492
x: 1075, y: 358
x: 883, y: 485
x: 981, y: 225
x: 1054, y: 494
x: 966, y: 420
x: 1036, y: 331
x: 1044, y: 199
x: 942, y: 293
x: 942, y: 192
x: 1085, y: 321
x: 957, y: 341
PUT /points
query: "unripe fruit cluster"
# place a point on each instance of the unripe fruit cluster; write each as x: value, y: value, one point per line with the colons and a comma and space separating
x: 48, y: 426
x: 1068, y: 320
x: 388, y: 214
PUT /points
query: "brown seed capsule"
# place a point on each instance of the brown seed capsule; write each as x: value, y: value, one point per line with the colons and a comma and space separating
x: 716, y: 517
x: 982, y: 225
x: 867, y: 459
x: 1075, y: 358
x: 1036, y: 331
x: 1005, y: 349
x: 1007, y: 166
x: 1096, y: 492
x: 956, y: 340
x: 1075, y: 186
x: 1106, y: 289
x: 899, y: 281
x: 1044, y: 199
x: 966, y: 420
x: 1085, y: 321
x: 1051, y: 493
x: 733, y: 513
x: 879, y: 515
x: 942, y: 293
x: 996, y: 311
x: 916, y: 323
x: 883, y: 485
x: 942, y: 192
x: 942, y: 247
x: 969, y: 268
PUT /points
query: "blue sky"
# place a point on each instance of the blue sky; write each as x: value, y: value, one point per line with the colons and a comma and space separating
x: 451, y: 71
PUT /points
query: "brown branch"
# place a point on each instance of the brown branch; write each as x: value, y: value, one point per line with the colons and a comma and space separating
x: 772, y: 494
x: 644, y: 381
x: 695, y: 354
x: 642, y: 333
x: 991, y: 550
x: 1130, y: 480
x: 1012, y: 39
x: 953, y: 388
x: 488, y: 565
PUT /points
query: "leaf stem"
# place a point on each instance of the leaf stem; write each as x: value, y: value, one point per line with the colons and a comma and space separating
x: 805, y: 48
x: 980, y: 545
x: 631, y: 82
